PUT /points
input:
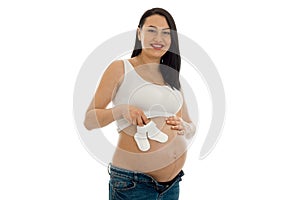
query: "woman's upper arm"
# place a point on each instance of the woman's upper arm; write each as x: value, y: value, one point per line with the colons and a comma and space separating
x: 108, y: 85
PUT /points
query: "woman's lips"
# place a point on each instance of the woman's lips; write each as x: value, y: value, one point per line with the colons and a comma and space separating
x: 157, y: 46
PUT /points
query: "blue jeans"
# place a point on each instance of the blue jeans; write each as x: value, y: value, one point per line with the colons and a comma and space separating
x: 131, y: 185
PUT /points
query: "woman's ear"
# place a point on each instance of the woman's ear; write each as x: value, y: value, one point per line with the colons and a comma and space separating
x: 139, y: 33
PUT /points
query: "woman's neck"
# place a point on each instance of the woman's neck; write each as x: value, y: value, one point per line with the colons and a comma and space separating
x: 146, y: 60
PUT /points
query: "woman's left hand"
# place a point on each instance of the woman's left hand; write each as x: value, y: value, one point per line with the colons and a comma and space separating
x: 176, y: 124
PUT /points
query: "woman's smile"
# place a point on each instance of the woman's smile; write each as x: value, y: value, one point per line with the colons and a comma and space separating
x: 157, y: 46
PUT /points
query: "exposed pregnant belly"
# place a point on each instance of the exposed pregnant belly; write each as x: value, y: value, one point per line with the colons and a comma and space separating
x: 163, y: 161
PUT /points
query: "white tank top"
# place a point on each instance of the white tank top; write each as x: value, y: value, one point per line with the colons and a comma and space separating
x: 155, y: 100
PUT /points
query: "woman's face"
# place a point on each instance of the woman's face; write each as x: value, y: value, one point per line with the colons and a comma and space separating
x: 155, y: 36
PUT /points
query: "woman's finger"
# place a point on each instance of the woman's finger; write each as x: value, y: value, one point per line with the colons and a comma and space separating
x: 134, y: 121
x: 170, y: 118
x: 174, y: 118
x: 177, y: 127
x: 182, y: 132
x: 144, y: 118
x: 173, y: 121
x: 139, y: 121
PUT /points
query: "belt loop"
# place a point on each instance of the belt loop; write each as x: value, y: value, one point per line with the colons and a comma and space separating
x: 108, y: 169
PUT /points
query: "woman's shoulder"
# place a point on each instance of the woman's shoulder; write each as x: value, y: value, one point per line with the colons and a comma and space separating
x: 116, y: 64
x: 116, y: 67
x: 115, y: 71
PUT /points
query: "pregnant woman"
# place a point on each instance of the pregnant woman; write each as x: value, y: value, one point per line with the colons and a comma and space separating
x: 150, y: 112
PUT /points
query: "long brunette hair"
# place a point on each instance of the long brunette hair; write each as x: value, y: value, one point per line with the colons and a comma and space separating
x: 172, y: 57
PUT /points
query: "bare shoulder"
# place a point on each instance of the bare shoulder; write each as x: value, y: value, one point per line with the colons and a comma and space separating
x: 116, y: 67
x: 115, y: 71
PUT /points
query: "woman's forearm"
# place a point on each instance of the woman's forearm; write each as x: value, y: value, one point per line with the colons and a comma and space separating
x: 97, y: 118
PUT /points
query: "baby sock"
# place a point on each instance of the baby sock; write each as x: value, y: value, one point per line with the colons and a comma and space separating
x: 141, y: 139
x: 152, y: 132
x: 155, y: 134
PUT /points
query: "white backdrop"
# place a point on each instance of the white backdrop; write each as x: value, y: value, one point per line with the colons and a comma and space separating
x: 255, y: 46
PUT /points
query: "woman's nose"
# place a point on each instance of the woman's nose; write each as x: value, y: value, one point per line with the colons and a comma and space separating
x: 158, y: 37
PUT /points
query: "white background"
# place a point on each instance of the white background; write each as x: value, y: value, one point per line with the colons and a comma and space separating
x: 255, y: 46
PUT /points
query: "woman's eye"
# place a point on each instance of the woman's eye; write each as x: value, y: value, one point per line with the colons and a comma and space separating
x: 166, y: 33
x: 152, y: 31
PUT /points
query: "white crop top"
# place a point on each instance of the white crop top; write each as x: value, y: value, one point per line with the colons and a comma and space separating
x: 155, y: 100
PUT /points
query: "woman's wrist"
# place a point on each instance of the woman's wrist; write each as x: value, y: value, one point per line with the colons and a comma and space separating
x: 189, y: 128
x: 118, y: 111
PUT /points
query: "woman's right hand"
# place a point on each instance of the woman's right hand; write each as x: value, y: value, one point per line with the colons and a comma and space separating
x: 133, y: 115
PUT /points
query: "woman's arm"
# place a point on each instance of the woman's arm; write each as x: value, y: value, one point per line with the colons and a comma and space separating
x: 97, y: 115
x: 182, y: 121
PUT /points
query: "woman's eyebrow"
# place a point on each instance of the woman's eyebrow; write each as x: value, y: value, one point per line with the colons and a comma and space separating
x: 157, y: 28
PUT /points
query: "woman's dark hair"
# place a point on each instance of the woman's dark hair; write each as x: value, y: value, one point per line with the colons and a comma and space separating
x: 172, y: 57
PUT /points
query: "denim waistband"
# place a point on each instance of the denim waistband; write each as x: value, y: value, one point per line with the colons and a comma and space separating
x: 137, y: 176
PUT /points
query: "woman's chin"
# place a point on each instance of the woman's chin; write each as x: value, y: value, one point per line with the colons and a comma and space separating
x: 157, y: 53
